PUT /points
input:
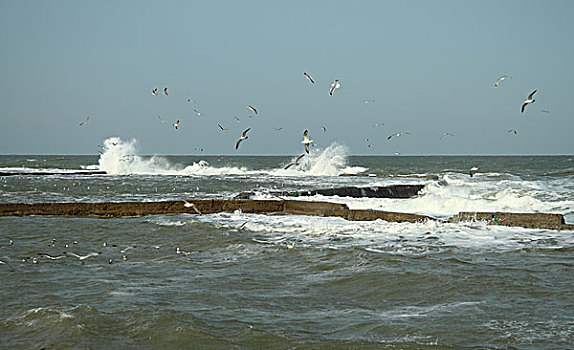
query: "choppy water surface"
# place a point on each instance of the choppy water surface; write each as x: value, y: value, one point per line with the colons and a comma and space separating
x: 255, y: 281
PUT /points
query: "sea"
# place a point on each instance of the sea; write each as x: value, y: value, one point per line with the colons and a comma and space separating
x: 253, y: 281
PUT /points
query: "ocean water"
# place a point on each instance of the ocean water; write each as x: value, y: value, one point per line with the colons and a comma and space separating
x: 286, y: 281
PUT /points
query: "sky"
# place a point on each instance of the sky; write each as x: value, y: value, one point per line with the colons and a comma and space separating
x: 425, y: 67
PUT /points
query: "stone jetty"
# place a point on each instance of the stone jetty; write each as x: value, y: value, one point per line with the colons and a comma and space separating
x: 293, y: 207
x: 392, y: 191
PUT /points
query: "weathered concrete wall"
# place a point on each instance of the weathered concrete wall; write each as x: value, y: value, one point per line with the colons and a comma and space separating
x: 122, y: 209
x: 392, y: 191
x: 526, y: 220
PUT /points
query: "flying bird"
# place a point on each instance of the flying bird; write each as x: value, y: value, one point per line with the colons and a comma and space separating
x: 197, y: 112
x: 501, y: 79
x: 295, y: 162
x: 176, y: 125
x: 279, y: 128
x: 251, y: 108
x: 445, y: 134
x: 308, y: 77
x: 397, y: 135
x: 545, y: 111
x: 237, y: 118
x: 512, y: 131
x: 376, y: 125
x: 52, y: 257
x: 242, y: 137
x: 165, y: 91
x: 324, y: 128
x: 306, y: 140
x: 154, y: 91
x: 473, y: 170
x: 334, y: 86
x: 85, y: 122
x: 367, y: 101
x: 191, y: 205
x: 222, y: 128
x: 528, y: 101
x: 83, y: 257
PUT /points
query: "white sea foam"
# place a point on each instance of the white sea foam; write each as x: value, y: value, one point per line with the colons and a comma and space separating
x: 121, y: 158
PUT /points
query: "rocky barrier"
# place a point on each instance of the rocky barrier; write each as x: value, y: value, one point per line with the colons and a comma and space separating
x: 393, y: 191
x: 198, y: 207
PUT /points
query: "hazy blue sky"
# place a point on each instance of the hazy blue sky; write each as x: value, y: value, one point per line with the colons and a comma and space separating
x: 430, y: 66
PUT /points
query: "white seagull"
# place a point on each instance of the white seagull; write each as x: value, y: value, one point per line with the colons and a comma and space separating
x: 545, y: 111
x: 165, y: 91
x: 501, y: 79
x: 528, y: 101
x: 306, y: 140
x: 251, y: 108
x: 176, y: 125
x: 83, y: 257
x: 295, y: 162
x: 512, y: 131
x: 237, y: 118
x: 85, y: 122
x: 154, y: 91
x: 52, y: 257
x: 243, y: 137
x: 324, y: 128
x: 473, y: 170
x: 446, y: 134
x: 191, y: 205
x: 222, y: 128
x: 334, y: 86
x: 397, y: 135
x: 308, y: 77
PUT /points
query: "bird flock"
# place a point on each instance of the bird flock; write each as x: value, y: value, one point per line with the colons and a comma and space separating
x: 306, y: 141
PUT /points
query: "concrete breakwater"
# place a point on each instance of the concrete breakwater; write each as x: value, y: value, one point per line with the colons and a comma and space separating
x: 392, y: 191
x: 134, y: 209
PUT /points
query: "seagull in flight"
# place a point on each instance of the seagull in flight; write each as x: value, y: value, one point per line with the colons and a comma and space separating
x: 512, y: 131
x: 251, y: 108
x: 280, y: 128
x: 165, y: 91
x: 528, y: 101
x: 197, y: 112
x: 397, y: 135
x: 154, y: 91
x: 306, y: 140
x: 545, y: 111
x: 376, y: 125
x: 52, y: 257
x: 296, y: 162
x: 162, y: 120
x: 237, y: 118
x: 367, y: 101
x: 191, y: 205
x: 85, y: 122
x: 83, y: 257
x: 176, y: 125
x: 334, y: 86
x: 501, y: 79
x: 222, y: 128
x: 243, y: 137
x: 308, y: 77
x: 446, y: 134
x: 473, y: 170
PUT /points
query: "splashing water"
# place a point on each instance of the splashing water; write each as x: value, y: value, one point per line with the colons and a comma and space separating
x: 332, y: 161
x: 120, y: 158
